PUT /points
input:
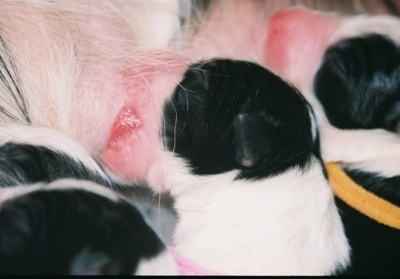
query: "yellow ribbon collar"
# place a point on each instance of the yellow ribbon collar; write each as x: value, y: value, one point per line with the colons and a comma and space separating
x: 360, y: 199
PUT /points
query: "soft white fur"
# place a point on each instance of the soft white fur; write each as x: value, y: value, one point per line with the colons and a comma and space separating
x: 69, y: 58
x: 285, y: 225
x: 51, y: 139
x: 60, y: 184
x: 163, y: 264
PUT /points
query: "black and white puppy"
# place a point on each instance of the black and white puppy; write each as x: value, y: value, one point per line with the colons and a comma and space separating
x: 60, y: 212
x: 358, y: 86
x: 250, y: 188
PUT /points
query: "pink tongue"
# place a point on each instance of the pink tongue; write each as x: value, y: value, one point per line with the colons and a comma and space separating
x: 296, y: 40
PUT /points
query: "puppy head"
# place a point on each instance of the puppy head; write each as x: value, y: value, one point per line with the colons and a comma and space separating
x: 228, y: 114
x: 76, y: 227
x: 358, y: 83
x: 58, y: 214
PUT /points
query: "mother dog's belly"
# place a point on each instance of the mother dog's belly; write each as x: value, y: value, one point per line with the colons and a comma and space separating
x: 296, y: 40
x: 135, y: 143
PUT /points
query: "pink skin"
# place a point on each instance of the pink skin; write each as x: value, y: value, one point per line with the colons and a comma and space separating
x: 296, y: 41
x: 135, y: 144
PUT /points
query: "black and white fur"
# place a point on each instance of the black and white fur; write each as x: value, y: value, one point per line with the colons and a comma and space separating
x: 250, y: 188
x: 358, y: 86
x: 61, y: 213
x: 52, y: 71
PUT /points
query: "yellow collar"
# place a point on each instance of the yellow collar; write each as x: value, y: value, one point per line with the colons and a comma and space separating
x: 360, y: 199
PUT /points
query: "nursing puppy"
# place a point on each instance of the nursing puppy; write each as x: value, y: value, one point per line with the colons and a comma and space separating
x: 60, y: 212
x: 245, y: 171
x: 358, y: 85
x: 351, y: 81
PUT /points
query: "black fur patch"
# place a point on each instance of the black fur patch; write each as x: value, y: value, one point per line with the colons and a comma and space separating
x: 358, y: 83
x: 26, y: 164
x: 69, y: 231
x: 72, y: 232
x: 385, y: 187
x: 228, y: 114
x: 375, y: 247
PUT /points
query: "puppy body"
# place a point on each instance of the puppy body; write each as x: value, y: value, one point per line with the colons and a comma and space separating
x: 357, y: 100
x: 353, y: 88
x: 63, y: 215
x: 279, y: 226
x: 268, y: 209
x: 54, y: 232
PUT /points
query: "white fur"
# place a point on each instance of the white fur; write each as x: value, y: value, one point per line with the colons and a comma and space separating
x: 162, y: 264
x: 70, y: 59
x: 285, y: 225
x: 373, y: 150
x: 370, y: 150
x: 60, y: 184
x: 363, y: 24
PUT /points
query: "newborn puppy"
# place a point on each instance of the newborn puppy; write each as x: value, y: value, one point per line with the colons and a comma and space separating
x: 377, y: 153
x: 244, y: 168
x: 73, y: 226
x: 358, y: 85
